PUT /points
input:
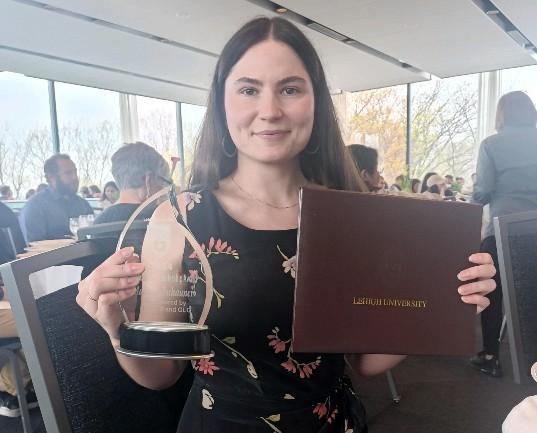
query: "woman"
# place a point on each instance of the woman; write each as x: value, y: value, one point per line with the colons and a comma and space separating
x: 110, y: 194
x: 424, y: 185
x: 270, y: 128
x: 507, y: 181
x: 436, y: 187
x: 366, y: 160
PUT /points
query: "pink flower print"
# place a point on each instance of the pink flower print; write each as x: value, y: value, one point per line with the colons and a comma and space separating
x: 193, y: 278
x: 206, y: 366
x: 221, y: 246
x: 320, y: 409
x: 194, y: 255
x: 332, y: 416
x: 217, y: 246
x: 289, y: 365
x: 277, y: 344
x: 191, y: 199
x: 290, y: 265
x: 308, y: 371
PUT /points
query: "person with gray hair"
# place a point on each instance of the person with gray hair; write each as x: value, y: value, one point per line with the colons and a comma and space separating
x: 139, y: 171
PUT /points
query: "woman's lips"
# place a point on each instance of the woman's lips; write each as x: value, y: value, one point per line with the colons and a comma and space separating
x: 275, y: 134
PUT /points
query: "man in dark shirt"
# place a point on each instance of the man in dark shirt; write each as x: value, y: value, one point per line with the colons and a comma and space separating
x: 46, y: 214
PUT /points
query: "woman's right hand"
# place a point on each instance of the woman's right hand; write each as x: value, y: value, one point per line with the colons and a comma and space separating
x: 113, y: 280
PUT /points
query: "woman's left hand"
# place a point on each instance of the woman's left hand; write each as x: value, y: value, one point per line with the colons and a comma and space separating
x: 474, y: 293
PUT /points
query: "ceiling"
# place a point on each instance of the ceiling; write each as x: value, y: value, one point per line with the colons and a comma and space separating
x: 168, y: 48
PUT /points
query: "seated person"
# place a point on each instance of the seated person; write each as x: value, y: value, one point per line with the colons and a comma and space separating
x: 9, y: 404
x: 139, y: 171
x: 6, y: 193
x: 110, y: 194
x: 8, y: 219
x: 46, y: 214
x: 425, y: 179
x: 436, y: 187
x: 95, y: 191
x: 398, y: 185
x: 366, y: 159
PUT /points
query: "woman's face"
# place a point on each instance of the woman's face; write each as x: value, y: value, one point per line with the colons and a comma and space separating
x: 373, y: 181
x: 111, y: 193
x: 269, y: 103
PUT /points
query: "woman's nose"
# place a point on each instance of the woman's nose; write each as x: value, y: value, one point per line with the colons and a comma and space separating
x: 269, y: 108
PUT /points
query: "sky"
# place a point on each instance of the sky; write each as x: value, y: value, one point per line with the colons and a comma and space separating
x: 24, y: 103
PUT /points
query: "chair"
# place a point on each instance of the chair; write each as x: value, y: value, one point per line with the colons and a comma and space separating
x: 8, y: 352
x: 8, y: 250
x: 516, y: 241
x: 79, y: 384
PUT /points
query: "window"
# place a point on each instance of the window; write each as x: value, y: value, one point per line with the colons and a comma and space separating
x: 25, y: 138
x: 524, y: 79
x: 444, y: 126
x: 89, y: 128
x: 377, y: 118
x: 157, y: 125
x: 192, y: 116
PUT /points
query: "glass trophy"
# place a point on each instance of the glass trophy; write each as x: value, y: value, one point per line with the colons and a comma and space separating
x: 166, y: 318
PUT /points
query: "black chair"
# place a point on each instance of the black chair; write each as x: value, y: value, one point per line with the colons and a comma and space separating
x: 8, y: 250
x: 79, y: 384
x: 112, y: 230
x: 8, y: 353
x: 516, y: 240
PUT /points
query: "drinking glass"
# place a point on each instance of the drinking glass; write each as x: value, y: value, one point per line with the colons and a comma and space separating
x: 85, y: 220
x: 74, y: 225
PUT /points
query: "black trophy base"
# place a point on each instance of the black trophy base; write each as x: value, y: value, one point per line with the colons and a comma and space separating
x: 164, y: 340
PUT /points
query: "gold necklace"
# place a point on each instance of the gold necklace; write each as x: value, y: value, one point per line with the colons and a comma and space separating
x: 262, y: 201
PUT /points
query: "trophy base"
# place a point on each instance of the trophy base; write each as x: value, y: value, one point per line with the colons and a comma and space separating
x: 165, y: 340
x: 190, y: 357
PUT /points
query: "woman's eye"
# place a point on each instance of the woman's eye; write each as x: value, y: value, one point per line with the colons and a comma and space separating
x: 249, y: 91
x: 288, y: 91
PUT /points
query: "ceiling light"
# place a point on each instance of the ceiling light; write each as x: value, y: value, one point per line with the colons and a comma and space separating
x: 518, y: 37
x: 492, y: 12
x: 326, y: 31
x: 281, y: 10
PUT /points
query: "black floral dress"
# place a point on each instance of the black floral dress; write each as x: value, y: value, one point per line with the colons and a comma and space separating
x: 255, y: 383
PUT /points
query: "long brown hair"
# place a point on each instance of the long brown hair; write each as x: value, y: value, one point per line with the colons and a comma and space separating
x: 515, y: 109
x: 324, y: 161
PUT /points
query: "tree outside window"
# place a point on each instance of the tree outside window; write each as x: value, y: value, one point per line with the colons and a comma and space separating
x: 25, y: 138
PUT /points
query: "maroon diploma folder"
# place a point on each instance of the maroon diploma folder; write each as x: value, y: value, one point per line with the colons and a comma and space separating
x: 378, y: 274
